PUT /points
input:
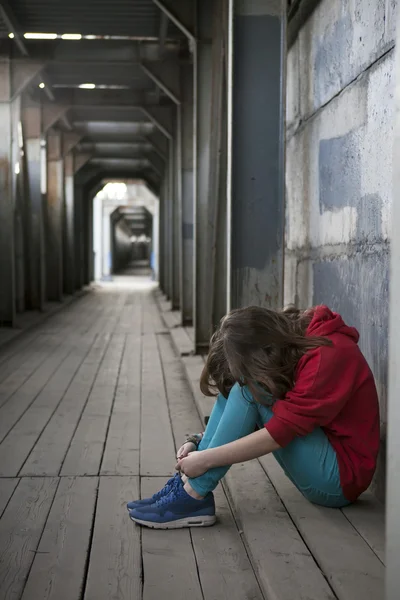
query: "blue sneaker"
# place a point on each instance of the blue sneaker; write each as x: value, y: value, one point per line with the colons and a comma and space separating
x: 165, y: 490
x: 176, y: 510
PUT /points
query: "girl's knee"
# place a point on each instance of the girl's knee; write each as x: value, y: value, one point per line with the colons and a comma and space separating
x: 241, y: 393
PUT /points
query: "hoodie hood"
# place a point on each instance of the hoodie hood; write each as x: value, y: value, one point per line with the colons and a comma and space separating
x: 325, y: 323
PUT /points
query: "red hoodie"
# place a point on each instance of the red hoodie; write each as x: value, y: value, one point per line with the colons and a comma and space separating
x: 334, y: 390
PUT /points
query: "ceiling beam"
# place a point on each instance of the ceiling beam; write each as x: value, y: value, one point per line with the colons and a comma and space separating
x: 164, y: 21
x: 178, y: 19
x: 13, y: 26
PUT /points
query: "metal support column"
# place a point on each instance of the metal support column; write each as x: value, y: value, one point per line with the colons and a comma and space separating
x: 187, y: 196
x: 31, y: 124
x: 256, y: 170
x: 78, y: 235
x: 54, y: 216
x: 202, y: 131
x: 177, y: 213
x: 69, y: 225
x: 393, y: 445
x: 7, y: 260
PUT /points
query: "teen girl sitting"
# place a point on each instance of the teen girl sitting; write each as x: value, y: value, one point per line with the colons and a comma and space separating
x: 301, y: 377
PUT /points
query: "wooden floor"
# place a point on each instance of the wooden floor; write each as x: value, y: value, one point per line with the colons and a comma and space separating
x: 93, y: 404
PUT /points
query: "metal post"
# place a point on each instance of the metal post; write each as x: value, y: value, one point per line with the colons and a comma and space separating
x: 177, y: 212
x: 69, y: 223
x: 256, y: 172
x: 202, y: 130
x: 393, y: 444
x: 7, y: 260
x: 54, y: 217
x: 78, y: 236
x: 187, y: 196
x: 31, y: 120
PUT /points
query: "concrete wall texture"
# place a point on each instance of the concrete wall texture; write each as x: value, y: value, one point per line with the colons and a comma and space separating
x: 339, y: 172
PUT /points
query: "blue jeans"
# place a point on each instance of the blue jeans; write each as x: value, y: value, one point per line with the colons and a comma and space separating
x: 310, y: 462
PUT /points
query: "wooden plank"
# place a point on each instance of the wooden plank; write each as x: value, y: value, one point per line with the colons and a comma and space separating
x: 354, y: 571
x: 22, y: 399
x: 115, y: 569
x: 193, y: 367
x: 121, y: 454
x: 284, y: 565
x: 224, y: 568
x: 157, y: 452
x: 59, y: 567
x: 367, y: 515
x: 7, y: 487
x: 152, y: 321
x: 169, y: 565
x: 49, y: 451
x: 20, y: 530
x: 16, y: 447
x: 86, y: 451
x: 172, y: 318
x: 184, y: 346
x: 29, y: 360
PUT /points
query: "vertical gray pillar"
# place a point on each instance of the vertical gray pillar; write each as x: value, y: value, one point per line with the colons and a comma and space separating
x: 187, y: 196
x: 54, y: 217
x: 78, y: 236
x: 69, y: 224
x: 393, y: 443
x: 31, y: 120
x: 85, y: 235
x: 257, y: 167
x: 7, y: 260
x: 177, y: 212
x: 202, y: 130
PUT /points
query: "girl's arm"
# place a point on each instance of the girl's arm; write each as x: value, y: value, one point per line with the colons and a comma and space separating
x: 252, y: 446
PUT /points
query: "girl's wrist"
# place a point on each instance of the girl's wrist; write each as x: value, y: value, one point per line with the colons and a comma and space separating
x: 194, y: 438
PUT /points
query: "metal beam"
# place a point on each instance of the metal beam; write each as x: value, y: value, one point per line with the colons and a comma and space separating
x: 70, y: 140
x: 54, y: 221
x: 164, y: 21
x: 22, y: 73
x: 166, y: 79
x: 393, y: 442
x: 181, y: 14
x: 81, y: 159
x: 160, y: 119
x: 51, y: 113
x: 13, y: 26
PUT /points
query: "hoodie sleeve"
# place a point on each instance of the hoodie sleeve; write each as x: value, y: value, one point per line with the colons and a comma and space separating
x: 323, y: 386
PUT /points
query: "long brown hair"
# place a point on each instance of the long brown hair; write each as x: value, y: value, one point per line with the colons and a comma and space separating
x: 260, y: 348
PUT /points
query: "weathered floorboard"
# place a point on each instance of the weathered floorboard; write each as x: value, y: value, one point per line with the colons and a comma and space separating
x: 20, y: 529
x: 121, y: 454
x: 49, y: 451
x: 157, y: 452
x: 58, y: 569
x: 7, y: 487
x: 115, y: 570
x: 169, y: 565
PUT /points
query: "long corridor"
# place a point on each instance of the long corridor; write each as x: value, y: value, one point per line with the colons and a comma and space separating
x: 93, y: 404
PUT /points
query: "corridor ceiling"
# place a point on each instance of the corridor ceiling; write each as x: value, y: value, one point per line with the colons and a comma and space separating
x: 104, y: 65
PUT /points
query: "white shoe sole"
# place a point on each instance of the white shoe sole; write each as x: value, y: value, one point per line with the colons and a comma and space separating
x: 180, y: 523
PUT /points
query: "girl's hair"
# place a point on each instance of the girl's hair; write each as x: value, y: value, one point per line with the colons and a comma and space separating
x: 259, y: 348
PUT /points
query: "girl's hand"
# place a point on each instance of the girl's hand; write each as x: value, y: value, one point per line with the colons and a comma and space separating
x: 185, y: 450
x: 193, y: 465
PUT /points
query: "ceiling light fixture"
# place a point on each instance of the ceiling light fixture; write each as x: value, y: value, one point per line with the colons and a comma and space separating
x: 40, y: 36
x: 87, y: 86
x: 71, y: 36
x: 11, y: 36
x: 42, y: 85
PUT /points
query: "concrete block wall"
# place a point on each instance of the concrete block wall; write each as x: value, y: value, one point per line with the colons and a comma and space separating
x: 339, y: 172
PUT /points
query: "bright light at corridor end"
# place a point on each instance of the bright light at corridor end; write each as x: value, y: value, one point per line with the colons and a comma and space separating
x: 87, y: 86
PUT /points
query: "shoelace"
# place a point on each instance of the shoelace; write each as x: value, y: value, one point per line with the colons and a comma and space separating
x: 166, y: 489
x: 174, y: 491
